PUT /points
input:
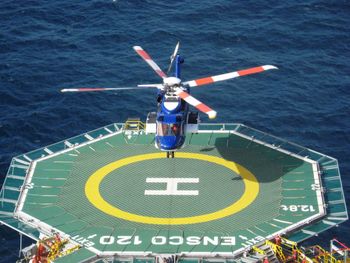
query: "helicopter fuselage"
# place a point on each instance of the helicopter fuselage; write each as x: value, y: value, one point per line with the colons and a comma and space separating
x: 171, y: 121
x: 172, y: 114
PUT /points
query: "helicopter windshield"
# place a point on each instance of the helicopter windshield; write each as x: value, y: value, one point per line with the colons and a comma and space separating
x: 164, y: 129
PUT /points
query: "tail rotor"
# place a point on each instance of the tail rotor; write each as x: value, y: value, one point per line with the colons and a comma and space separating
x: 173, y: 56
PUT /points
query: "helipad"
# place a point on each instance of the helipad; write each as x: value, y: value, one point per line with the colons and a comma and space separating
x: 114, y: 193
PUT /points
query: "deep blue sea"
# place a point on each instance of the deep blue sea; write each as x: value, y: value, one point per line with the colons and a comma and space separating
x: 49, y: 45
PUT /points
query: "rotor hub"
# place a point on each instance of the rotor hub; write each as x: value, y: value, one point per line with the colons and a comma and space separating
x: 171, y: 81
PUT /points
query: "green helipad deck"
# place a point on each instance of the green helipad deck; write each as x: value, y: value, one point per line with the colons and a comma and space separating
x: 229, y: 188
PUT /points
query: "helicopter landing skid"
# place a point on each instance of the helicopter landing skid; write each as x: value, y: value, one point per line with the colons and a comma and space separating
x: 170, y: 153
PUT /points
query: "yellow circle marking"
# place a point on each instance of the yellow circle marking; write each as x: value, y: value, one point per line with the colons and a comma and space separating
x: 92, y: 191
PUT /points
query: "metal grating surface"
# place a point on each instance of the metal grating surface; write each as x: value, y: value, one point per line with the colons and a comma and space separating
x: 289, y: 192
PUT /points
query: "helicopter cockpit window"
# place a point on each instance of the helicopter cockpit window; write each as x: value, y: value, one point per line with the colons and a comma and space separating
x: 164, y: 129
x: 174, y: 129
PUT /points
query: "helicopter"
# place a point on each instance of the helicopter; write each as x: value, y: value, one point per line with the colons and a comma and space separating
x: 173, y: 118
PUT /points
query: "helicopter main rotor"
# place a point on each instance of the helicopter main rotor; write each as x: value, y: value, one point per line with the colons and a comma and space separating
x: 175, y: 85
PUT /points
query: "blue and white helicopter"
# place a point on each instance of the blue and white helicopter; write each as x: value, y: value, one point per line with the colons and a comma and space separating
x: 173, y: 117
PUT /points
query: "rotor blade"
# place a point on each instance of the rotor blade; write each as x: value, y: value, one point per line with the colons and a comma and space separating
x: 158, y: 86
x: 196, y: 103
x: 149, y: 61
x: 173, y: 56
x: 98, y: 89
x: 230, y: 75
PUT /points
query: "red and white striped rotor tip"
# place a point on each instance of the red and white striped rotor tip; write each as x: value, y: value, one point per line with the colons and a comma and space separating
x: 139, y: 50
x: 230, y: 75
x: 196, y: 103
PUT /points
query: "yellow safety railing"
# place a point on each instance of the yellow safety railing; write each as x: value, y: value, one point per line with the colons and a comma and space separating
x: 69, y: 251
x: 277, y: 249
x: 288, y: 251
x: 55, y: 247
x: 324, y: 256
x: 299, y: 256
x: 134, y: 125
x: 289, y: 248
x: 258, y: 250
x: 288, y: 243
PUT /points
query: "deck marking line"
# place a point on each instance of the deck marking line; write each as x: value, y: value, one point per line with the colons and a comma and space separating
x: 93, y: 194
x: 109, y: 144
x: 171, y: 186
x: 282, y: 221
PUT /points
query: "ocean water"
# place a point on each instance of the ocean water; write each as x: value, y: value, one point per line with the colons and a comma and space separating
x: 49, y: 45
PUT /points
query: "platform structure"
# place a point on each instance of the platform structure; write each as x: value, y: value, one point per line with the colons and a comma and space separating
x: 230, y: 188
